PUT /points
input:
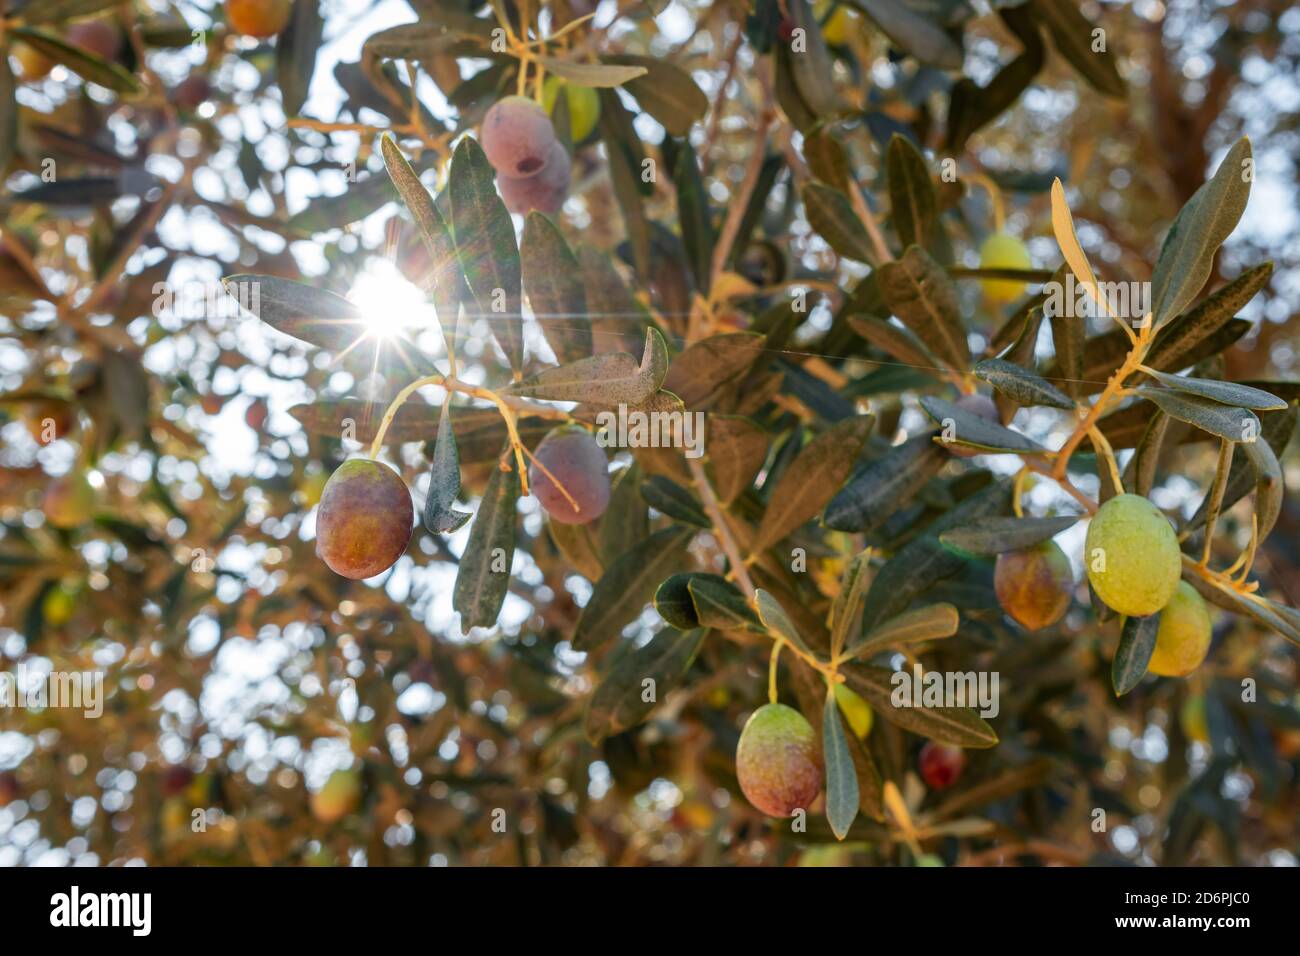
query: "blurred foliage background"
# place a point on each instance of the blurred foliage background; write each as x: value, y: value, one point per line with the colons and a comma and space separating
x: 240, y: 673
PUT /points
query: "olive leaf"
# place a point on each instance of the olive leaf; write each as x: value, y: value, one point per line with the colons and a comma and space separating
x: 483, y: 576
x: 553, y: 281
x: 1021, y: 385
x: 912, y: 31
x: 841, y: 775
x: 669, y: 498
x: 295, y: 55
x: 1269, y: 485
x: 1072, y: 34
x: 932, y: 622
x: 959, y: 726
x: 446, y: 275
x: 776, y: 621
x: 578, y: 546
x: 444, y: 481
x: 1207, y: 317
x: 812, y: 67
x: 608, y: 379
x: 8, y: 114
x: 703, y: 370
x: 969, y: 430
x: 719, y: 604
x: 626, y: 521
x: 628, y: 585
x: 812, y: 479
x: 665, y: 91
x: 1276, y: 431
x: 88, y: 66
x: 596, y: 75
x: 1226, y: 393
x: 1001, y: 533
x: 619, y: 701
x: 846, y: 609
x: 737, y: 448
x: 918, y: 290
x: 1202, y: 225
x: 896, y: 340
x: 913, y: 203
x: 485, y: 244
x: 885, y: 485
x: 1137, y: 641
x: 827, y: 159
x: 1223, y: 421
x: 1140, y: 473
x: 832, y: 217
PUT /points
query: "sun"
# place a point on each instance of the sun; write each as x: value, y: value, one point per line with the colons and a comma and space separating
x: 392, y: 307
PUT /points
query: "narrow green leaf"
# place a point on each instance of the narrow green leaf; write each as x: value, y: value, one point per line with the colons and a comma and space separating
x: 674, y: 602
x: 295, y: 55
x: 629, y: 585
x: 8, y: 113
x: 924, y: 561
x: 595, y: 75
x: 1210, y: 315
x: 1001, y: 533
x: 827, y: 158
x: 1068, y: 334
x: 832, y: 217
x: 841, y: 776
x: 1202, y: 225
x: 1140, y: 473
x: 444, y: 481
x: 88, y: 66
x: 720, y: 605
x: 608, y: 379
x: 812, y: 66
x: 56, y: 11
x: 626, y: 521
x: 1021, y: 385
x: 1226, y: 393
x: 913, y: 202
x: 972, y: 107
x: 929, y: 623
x: 626, y: 155
x: 896, y: 340
x: 737, y: 448
x: 620, y: 700
x: 885, y: 485
x: 1276, y: 431
x: 555, y: 289
x: 306, y: 312
x: 812, y: 479
x: 1224, y: 421
x: 969, y: 430
x: 1269, y: 484
x: 913, y: 32
x: 846, y: 609
x: 960, y: 726
x: 707, y: 367
x: 1073, y: 35
x: 484, y: 574
x: 578, y: 546
x: 1137, y: 641
x: 446, y: 274
x: 666, y: 91
x: 485, y: 244
x: 918, y: 290
x: 669, y: 498
x: 776, y: 621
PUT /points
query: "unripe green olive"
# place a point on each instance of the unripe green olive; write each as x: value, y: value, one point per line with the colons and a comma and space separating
x: 1004, y: 251
x: 1183, y: 639
x: 1132, y: 556
x: 584, y: 105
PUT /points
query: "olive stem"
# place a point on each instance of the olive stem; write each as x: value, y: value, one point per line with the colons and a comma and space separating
x: 720, y: 527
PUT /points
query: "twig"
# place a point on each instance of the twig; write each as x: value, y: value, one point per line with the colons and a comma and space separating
x: 720, y: 527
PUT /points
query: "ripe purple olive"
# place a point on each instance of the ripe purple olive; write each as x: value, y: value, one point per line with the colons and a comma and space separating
x: 1034, y: 585
x: 517, y: 137
x: 941, y: 765
x: 576, y: 461
x: 778, y: 762
x: 364, y: 521
x: 544, y: 192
